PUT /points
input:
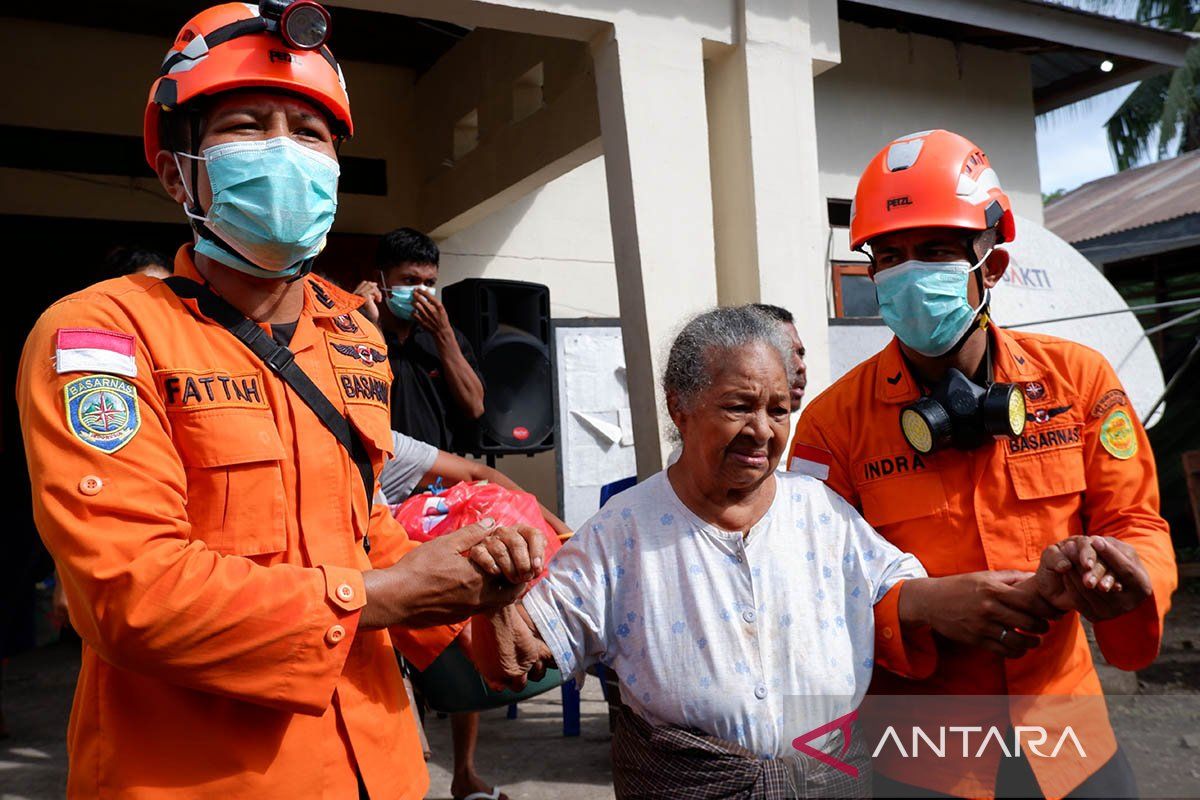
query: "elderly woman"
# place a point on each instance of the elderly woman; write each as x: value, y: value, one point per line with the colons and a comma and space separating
x: 742, y: 607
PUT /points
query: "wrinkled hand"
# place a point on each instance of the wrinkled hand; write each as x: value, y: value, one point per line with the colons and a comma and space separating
x: 1099, y: 576
x: 506, y: 649
x: 429, y: 312
x: 999, y: 611
x: 515, y: 553
x: 438, y: 583
x: 369, y: 291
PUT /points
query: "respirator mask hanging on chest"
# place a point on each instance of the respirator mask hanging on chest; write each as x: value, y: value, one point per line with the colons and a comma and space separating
x: 962, y: 414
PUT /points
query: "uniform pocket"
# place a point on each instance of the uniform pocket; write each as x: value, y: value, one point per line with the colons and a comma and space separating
x: 903, y: 498
x: 236, y: 501
x: 375, y: 427
x: 1049, y: 485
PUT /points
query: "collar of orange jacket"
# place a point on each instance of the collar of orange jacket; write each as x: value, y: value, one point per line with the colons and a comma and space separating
x: 321, y: 298
x: 895, y: 383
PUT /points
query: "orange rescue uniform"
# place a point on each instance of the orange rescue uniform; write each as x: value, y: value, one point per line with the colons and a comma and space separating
x: 213, y: 561
x: 1082, y: 466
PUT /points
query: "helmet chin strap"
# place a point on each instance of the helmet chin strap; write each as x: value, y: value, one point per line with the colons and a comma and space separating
x: 983, y: 318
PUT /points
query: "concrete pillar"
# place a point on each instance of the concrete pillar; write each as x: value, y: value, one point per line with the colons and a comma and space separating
x: 770, y: 218
x: 650, y: 90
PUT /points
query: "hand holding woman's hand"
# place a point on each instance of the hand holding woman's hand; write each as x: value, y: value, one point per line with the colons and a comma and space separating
x: 1099, y: 576
x: 999, y: 611
x: 514, y: 552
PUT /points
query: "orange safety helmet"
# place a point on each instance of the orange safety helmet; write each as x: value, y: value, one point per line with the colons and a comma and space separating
x: 934, y: 179
x: 231, y: 46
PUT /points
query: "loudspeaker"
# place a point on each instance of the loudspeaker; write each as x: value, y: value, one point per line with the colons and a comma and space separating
x: 508, y: 326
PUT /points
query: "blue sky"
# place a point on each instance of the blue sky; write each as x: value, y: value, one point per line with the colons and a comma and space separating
x: 1072, y: 147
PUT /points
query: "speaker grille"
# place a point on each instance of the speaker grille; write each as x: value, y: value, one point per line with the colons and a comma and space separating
x: 516, y: 371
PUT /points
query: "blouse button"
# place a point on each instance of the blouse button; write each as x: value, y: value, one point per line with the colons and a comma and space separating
x: 749, y: 616
x: 760, y: 692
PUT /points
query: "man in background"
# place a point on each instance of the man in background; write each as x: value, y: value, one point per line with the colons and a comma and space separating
x: 788, y: 321
x: 436, y: 391
x: 437, y: 388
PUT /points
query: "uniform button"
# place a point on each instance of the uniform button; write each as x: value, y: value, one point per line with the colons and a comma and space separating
x: 760, y: 692
x: 90, y: 485
x: 749, y: 616
x: 335, y: 634
x: 345, y: 593
x: 887, y: 633
x: 739, y: 558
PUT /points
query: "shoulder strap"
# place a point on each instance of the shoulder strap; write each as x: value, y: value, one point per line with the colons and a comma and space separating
x: 282, y: 362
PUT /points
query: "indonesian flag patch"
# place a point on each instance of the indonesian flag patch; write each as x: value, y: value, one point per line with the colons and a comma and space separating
x: 94, y: 350
x: 808, y: 460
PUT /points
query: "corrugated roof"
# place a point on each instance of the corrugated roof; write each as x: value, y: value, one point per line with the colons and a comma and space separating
x: 1146, y: 195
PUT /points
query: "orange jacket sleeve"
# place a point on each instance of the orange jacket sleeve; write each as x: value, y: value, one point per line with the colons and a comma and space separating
x: 390, y: 543
x: 910, y: 653
x: 813, y: 430
x: 1121, y: 501
x: 143, y: 593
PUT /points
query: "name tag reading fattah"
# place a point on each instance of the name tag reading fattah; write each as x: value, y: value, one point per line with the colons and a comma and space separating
x: 188, y: 389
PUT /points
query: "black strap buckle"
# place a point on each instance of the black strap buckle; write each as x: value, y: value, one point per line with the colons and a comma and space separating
x: 280, y: 359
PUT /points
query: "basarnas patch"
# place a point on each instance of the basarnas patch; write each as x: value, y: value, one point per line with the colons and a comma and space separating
x: 102, y: 411
x: 1118, y: 436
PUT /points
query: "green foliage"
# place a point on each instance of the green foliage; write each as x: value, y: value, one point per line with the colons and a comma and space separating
x: 1163, y: 112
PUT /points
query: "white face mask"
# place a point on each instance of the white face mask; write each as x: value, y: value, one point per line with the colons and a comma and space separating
x: 925, y: 303
x: 273, y: 203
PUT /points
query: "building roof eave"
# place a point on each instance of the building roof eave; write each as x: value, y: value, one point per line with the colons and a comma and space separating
x: 1066, y: 45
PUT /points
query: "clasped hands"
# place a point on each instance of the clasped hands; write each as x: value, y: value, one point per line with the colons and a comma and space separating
x: 478, y: 569
x: 1007, y: 611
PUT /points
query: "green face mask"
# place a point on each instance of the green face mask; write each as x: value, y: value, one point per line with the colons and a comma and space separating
x: 400, y: 301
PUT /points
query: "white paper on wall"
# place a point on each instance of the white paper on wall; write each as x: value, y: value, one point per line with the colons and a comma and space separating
x: 596, y: 431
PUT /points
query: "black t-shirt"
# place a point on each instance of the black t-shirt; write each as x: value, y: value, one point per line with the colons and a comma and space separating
x: 282, y: 332
x: 422, y: 404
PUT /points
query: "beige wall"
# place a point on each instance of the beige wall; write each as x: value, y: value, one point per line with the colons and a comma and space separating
x: 81, y: 79
x: 890, y: 84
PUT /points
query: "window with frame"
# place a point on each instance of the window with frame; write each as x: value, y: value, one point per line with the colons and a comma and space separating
x: 853, y: 291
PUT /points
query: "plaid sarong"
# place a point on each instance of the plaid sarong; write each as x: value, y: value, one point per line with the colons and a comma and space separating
x: 687, y: 764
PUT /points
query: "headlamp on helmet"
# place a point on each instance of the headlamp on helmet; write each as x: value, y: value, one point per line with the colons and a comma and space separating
x: 303, y: 24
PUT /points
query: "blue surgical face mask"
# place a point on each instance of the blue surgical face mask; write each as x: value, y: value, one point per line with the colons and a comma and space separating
x: 273, y: 203
x: 400, y: 299
x: 925, y: 303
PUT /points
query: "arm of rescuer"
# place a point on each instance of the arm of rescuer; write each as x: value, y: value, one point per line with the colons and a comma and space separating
x: 1121, y: 501
x: 905, y: 648
x: 146, y: 593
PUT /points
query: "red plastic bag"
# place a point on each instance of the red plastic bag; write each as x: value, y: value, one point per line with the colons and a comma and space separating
x: 428, y: 516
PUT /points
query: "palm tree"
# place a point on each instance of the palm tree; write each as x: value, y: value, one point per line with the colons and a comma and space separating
x: 1163, y: 110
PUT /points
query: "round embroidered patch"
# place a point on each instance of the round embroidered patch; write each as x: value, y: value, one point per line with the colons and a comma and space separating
x: 102, y: 411
x: 1118, y: 436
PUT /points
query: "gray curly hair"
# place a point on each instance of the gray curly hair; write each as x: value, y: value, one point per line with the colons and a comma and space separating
x: 706, y: 337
